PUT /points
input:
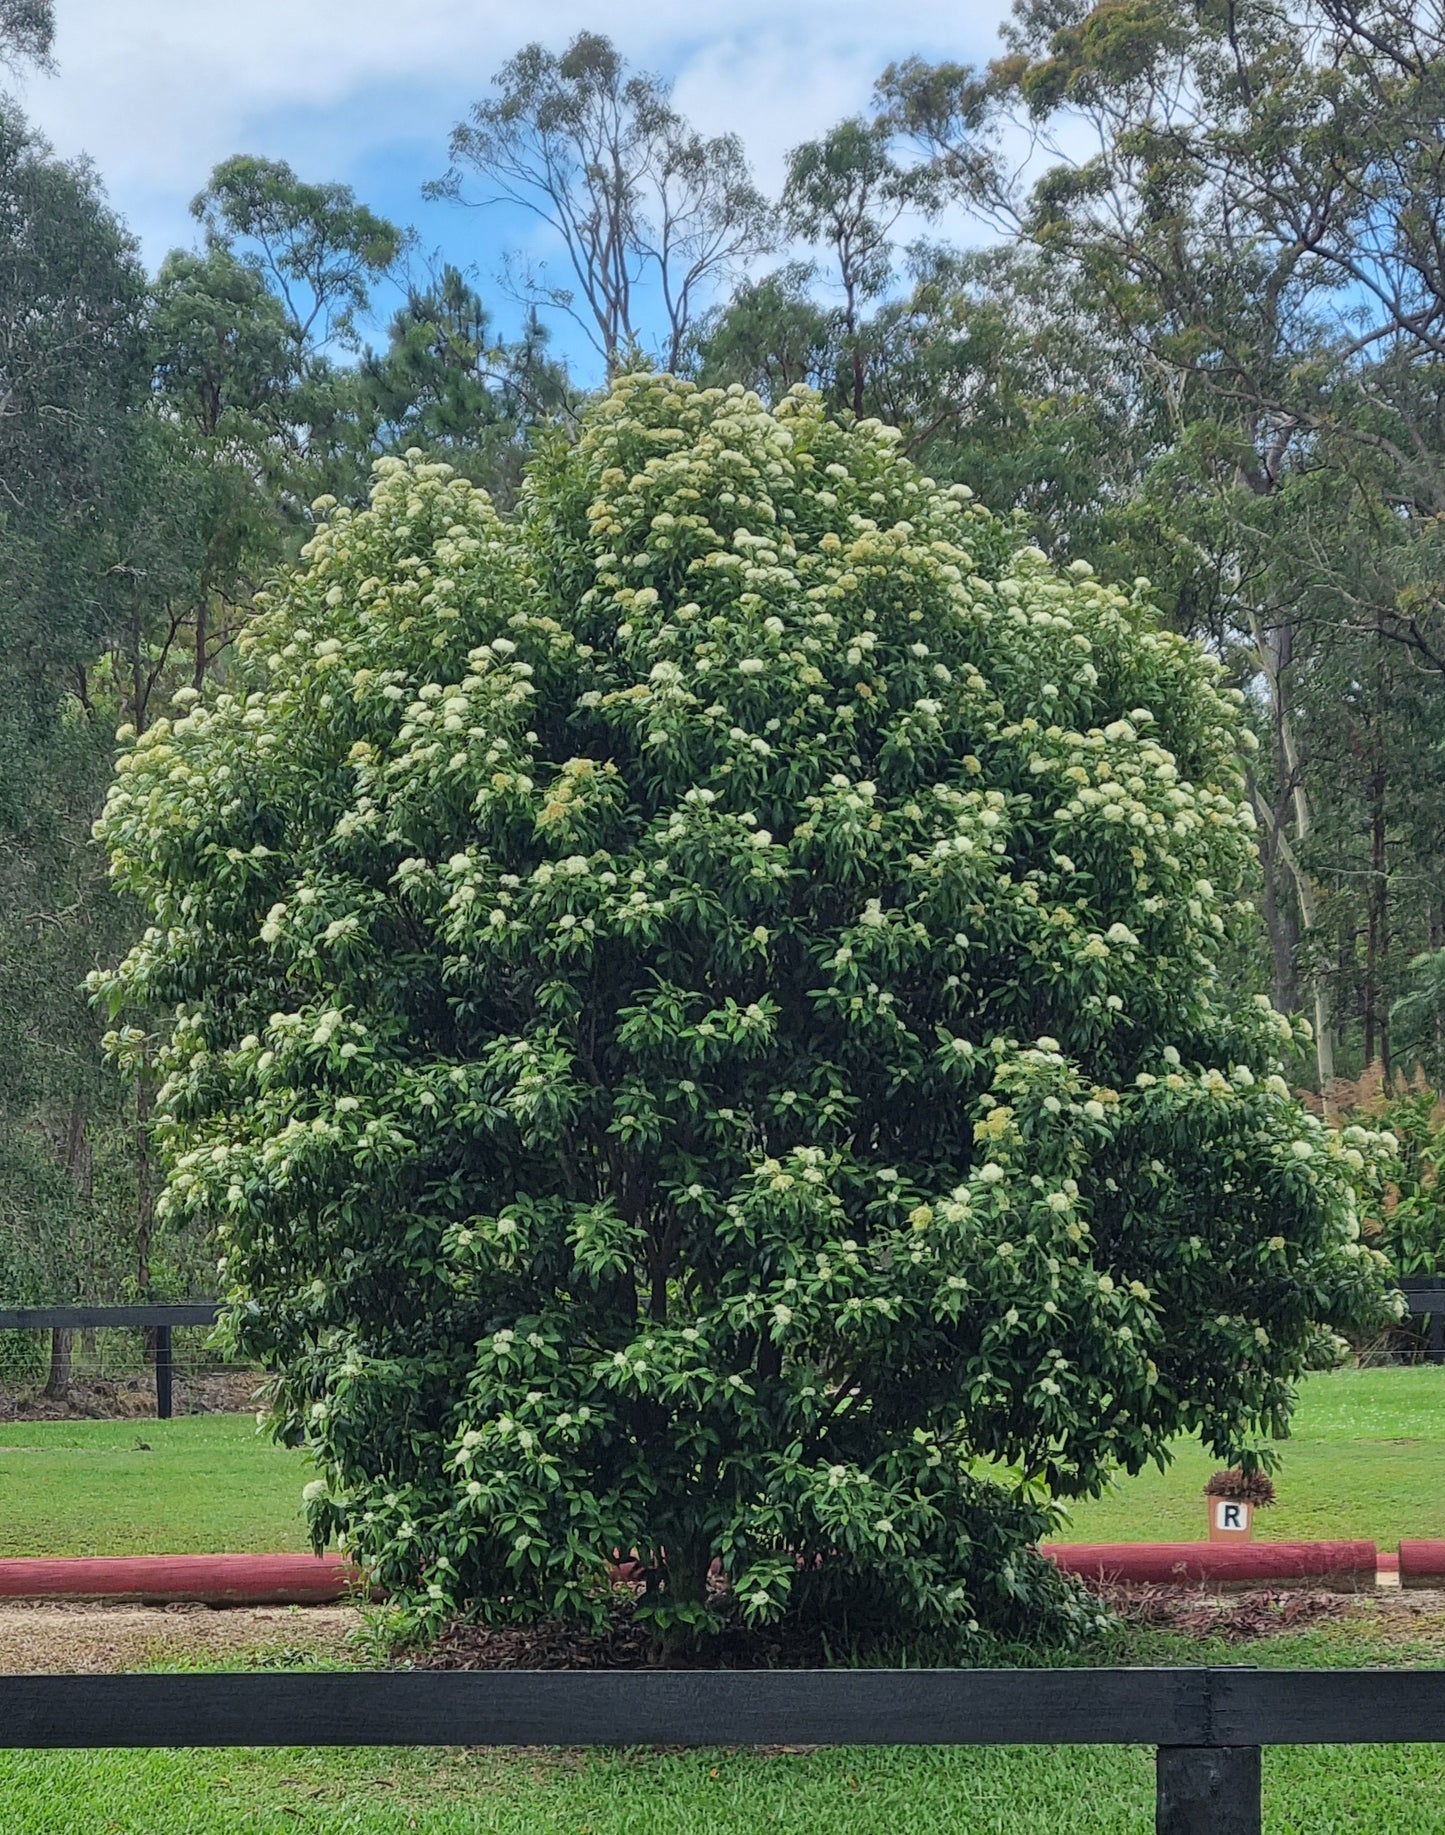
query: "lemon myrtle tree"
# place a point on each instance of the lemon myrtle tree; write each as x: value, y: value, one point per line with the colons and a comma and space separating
x: 696, y: 1023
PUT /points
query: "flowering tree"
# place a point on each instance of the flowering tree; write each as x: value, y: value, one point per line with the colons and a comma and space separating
x: 696, y: 1020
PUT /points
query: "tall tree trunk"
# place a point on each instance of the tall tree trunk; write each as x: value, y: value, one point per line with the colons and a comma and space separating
x: 57, y: 1382
x: 145, y: 1199
x: 1377, y: 1012
x: 77, y: 1157
x: 1379, y: 864
x: 1272, y: 654
x: 1434, y: 934
x: 1372, y: 951
x: 1279, y: 913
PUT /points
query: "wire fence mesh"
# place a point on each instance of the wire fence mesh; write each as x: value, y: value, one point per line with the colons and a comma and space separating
x: 112, y: 1371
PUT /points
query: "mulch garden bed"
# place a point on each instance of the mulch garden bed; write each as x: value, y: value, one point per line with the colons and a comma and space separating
x: 1234, y: 1618
x: 625, y: 1644
x: 129, y: 1398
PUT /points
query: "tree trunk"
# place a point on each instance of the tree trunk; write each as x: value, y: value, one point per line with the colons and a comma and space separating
x: 1272, y: 652
x: 1278, y: 913
x: 1434, y: 934
x: 1371, y: 957
x: 57, y: 1383
x: 1379, y: 870
x: 145, y: 1200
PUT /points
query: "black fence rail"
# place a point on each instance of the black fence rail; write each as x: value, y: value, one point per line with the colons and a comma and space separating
x: 1424, y: 1298
x: 162, y: 1319
x: 1208, y: 1725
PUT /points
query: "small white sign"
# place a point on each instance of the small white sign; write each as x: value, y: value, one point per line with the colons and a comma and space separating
x: 1230, y: 1517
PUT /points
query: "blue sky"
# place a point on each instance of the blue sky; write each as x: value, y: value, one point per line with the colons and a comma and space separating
x: 157, y: 91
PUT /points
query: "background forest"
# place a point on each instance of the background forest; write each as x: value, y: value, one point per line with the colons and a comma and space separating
x: 1206, y: 346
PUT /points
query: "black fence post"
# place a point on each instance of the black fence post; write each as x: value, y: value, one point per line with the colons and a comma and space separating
x: 165, y: 1370
x: 1208, y: 1790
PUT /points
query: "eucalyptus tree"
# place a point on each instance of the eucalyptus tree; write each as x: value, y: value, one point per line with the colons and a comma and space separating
x: 848, y: 192
x: 1257, y: 205
x: 73, y: 389
x: 27, y: 33
x: 645, y: 209
x: 321, y: 251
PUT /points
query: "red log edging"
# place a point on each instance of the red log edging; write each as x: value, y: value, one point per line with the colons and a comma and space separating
x: 211, y: 1580
x: 1422, y: 1564
x: 254, y: 1580
x: 1345, y: 1566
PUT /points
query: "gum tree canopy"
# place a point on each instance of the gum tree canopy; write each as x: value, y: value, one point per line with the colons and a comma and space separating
x: 696, y: 1021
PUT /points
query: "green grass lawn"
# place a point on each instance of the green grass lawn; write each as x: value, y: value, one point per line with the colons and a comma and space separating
x: 208, y: 1483
x: 1366, y: 1459
x: 1387, y: 1790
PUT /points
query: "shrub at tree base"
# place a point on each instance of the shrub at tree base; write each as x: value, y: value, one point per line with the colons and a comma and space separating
x: 696, y: 1020
x: 1243, y: 1485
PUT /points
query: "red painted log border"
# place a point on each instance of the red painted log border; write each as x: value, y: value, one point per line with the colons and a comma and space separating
x: 211, y: 1580
x: 1339, y: 1566
x: 253, y: 1580
x: 1422, y: 1564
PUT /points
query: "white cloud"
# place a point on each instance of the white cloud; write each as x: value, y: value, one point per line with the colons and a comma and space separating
x: 156, y: 91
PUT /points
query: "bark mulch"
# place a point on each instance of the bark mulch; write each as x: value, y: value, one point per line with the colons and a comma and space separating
x: 1239, y: 1617
x: 132, y: 1398
x: 625, y: 1644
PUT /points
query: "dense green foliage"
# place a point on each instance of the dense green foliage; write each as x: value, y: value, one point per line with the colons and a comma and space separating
x: 1252, y: 202
x: 697, y: 1017
x: 159, y: 445
x: 1210, y: 353
x: 1410, y: 1224
x: 72, y: 380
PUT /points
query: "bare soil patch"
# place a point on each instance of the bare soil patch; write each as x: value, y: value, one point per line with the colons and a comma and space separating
x: 85, y: 1637
x: 1236, y: 1617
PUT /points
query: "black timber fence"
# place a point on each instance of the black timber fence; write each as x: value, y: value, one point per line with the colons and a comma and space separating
x: 1208, y: 1725
x: 161, y: 1319
x: 1424, y: 1298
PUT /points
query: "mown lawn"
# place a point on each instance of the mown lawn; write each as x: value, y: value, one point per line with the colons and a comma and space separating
x: 1366, y: 1459
x: 208, y: 1483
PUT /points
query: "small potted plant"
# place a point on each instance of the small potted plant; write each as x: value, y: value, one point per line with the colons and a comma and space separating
x: 1232, y: 1497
